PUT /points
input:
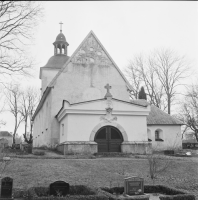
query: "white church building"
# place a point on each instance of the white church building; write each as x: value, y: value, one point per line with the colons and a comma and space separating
x: 85, y: 106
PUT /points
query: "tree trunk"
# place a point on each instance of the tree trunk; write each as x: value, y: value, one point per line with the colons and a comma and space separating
x: 196, y: 135
x: 25, y: 125
x: 169, y: 104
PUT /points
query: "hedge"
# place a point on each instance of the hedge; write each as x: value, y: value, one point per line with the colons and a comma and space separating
x: 169, y: 193
x: 178, y: 197
x: 75, y: 192
x: 111, y: 194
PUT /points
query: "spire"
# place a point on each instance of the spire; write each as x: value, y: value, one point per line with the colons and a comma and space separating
x: 60, y: 45
x: 61, y: 26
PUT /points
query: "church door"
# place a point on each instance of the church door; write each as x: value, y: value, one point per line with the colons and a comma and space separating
x: 109, y: 139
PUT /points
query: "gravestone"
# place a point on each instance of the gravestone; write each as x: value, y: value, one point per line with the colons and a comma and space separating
x: 59, y: 188
x: 133, y: 186
x: 6, y: 187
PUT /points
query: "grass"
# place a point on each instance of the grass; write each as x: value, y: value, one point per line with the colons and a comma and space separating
x: 101, y: 172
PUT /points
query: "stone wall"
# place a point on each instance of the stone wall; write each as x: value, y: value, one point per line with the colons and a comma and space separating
x: 78, y: 147
x: 136, y: 147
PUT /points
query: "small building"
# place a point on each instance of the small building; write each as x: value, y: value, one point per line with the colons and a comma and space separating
x: 6, y: 138
x: 164, y: 131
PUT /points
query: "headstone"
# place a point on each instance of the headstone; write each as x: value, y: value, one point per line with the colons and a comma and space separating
x: 6, y: 187
x: 59, y: 188
x: 188, y: 153
x: 6, y: 158
x: 133, y: 186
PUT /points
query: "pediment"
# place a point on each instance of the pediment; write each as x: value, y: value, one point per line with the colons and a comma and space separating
x: 100, y: 106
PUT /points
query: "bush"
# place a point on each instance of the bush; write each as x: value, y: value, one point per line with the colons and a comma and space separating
x: 39, y: 153
x: 17, y: 193
x: 178, y: 197
x: 43, y: 147
x: 77, y: 192
x: 112, y: 193
x: 169, y: 152
x: 171, y: 193
x: 162, y: 189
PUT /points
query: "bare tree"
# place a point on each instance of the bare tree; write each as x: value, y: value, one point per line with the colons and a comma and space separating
x: 171, y: 69
x: 17, y: 21
x: 141, y: 72
x: 2, y: 122
x: 13, y: 96
x: 160, y: 73
x: 29, y: 101
x: 157, y: 164
x: 189, y: 113
x: 132, y: 74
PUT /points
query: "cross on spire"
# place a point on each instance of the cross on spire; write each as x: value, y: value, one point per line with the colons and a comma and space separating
x: 108, y: 87
x: 61, y: 26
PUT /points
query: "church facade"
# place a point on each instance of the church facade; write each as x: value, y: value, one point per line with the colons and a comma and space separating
x: 85, y: 106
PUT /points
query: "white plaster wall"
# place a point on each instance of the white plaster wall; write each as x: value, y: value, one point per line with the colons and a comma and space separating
x: 42, y: 125
x: 79, y: 127
x: 78, y: 84
x: 171, y: 136
x: 47, y: 76
x: 81, y: 82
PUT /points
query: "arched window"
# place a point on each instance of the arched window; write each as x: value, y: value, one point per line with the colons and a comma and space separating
x: 159, y: 135
x: 149, y: 135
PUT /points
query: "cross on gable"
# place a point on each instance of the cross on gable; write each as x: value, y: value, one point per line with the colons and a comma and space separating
x: 60, y: 26
x: 108, y: 87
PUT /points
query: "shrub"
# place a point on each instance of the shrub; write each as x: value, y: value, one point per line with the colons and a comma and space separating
x: 43, y: 147
x: 171, y: 193
x: 178, y: 197
x: 39, y: 153
x: 77, y: 192
x: 168, y: 152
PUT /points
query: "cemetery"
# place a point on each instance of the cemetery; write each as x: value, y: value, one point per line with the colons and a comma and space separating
x: 134, y: 189
x: 63, y: 186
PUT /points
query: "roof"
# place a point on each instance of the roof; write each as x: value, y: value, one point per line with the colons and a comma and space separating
x: 56, y: 61
x: 140, y: 102
x: 159, y: 117
x: 143, y: 105
x: 61, y: 37
x: 5, y: 134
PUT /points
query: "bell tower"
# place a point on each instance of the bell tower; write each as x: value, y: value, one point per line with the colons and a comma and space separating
x: 60, y: 45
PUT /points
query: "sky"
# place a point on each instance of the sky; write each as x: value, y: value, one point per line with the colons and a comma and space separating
x: 125, y: 28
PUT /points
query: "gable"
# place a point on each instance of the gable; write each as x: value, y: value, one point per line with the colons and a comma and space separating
x: 91, y: 52
x: 99, y: 106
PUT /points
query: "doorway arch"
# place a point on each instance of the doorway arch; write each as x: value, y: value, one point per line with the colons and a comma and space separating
x: 109, y: 139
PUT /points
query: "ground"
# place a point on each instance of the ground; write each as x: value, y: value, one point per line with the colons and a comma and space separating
x: 99, y: 172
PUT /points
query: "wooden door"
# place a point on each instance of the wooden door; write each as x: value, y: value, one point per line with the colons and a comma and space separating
x: 109, y: 139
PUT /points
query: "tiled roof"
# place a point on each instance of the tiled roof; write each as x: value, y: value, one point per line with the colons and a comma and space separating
x: 5, y: 133
x: 56, y: 61
x: 140, y: 102
x: 159, y: 117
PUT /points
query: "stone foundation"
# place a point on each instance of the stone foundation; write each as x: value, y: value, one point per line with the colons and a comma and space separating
x: 78, y: 147
x: 136, y: 147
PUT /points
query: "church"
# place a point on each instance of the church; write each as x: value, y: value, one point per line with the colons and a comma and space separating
x: 85, y: 106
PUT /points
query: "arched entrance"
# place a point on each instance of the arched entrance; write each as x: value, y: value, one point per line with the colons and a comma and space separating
x: 109, y: 139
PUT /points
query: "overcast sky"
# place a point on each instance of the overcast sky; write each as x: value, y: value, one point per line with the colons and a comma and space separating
x: 125, y: 28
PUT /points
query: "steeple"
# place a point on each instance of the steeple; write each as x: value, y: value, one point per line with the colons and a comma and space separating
x: 60, y: 45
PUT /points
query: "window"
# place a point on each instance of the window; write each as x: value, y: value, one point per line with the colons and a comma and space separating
x: 159, y: 135
x: 62, y: 129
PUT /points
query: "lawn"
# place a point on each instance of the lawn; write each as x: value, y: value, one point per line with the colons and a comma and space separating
x: 99, y: 172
